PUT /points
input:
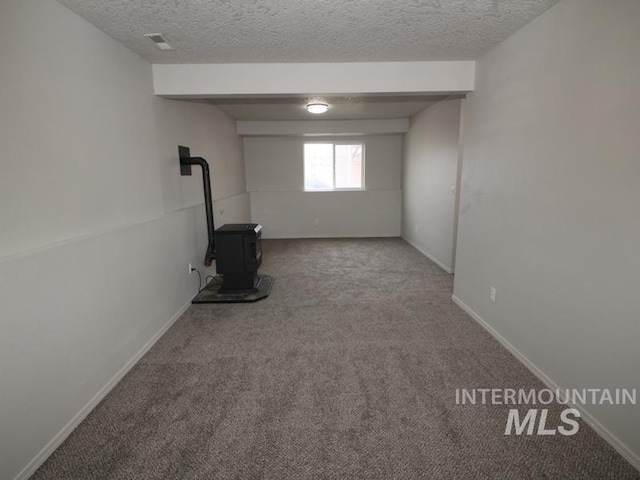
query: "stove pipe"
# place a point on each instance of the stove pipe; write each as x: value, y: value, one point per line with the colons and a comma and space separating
x: 186, y: 161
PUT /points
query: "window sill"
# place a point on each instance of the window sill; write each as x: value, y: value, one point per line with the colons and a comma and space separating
x: 336, y: 190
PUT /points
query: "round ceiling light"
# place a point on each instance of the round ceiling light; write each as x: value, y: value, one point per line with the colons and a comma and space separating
x: 317, y: 107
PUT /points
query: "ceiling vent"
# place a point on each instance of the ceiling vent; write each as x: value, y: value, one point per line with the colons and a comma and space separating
x: 158, y: 40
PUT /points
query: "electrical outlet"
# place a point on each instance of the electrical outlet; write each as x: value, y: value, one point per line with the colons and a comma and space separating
x: 317, y: 222
x: 221, y: 209
x: 492, y: 294
x: 190, y: 268
x: 415, y: 228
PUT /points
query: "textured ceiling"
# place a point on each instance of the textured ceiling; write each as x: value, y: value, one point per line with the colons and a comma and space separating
x: 341, y: 108
x: 270, y: 31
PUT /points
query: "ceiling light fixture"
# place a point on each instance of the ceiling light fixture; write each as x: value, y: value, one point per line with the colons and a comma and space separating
x: 158, y: 40
x: 317, y: 107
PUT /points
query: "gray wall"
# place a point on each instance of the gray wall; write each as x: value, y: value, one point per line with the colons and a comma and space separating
x: 96, y: 225
x: 549, y: 201
x: 429, y: 177
x: 274, y: 167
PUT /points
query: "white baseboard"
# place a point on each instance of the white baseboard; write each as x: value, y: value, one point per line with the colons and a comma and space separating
x: 444, y: 267
x: 600, y: 429
x: 61, y: 436
x: 327, y: 236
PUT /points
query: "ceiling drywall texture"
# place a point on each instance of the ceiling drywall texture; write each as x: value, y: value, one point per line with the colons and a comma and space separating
x: 341, y: 108
x: 271, y: 31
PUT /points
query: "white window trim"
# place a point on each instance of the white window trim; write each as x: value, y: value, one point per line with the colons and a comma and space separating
x: 334, y: 143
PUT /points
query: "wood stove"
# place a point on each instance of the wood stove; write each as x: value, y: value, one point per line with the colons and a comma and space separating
x: 238, y: 255
x: 236, y: 248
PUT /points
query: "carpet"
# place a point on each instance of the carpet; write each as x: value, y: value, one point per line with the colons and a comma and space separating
x: 347, y: 371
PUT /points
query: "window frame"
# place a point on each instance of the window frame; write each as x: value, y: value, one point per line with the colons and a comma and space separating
x: 333, y: 144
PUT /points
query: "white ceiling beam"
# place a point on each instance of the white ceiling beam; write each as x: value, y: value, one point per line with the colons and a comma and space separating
x: 211, y: 80
x: 311, y: 128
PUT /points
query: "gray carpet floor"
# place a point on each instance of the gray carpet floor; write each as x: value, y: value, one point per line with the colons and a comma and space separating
x: 347, y: 371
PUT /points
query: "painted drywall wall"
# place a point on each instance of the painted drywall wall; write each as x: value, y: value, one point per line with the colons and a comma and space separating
x: 96, y: 225
x: 548, y: 209
x: 429, y: 177
x: 274, y: 169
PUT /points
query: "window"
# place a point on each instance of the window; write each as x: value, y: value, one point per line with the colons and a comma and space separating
x: 333, y: 166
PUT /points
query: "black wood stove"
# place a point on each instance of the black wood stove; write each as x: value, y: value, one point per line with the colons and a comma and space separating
x: 236, y: 248
x: 238, y: 255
